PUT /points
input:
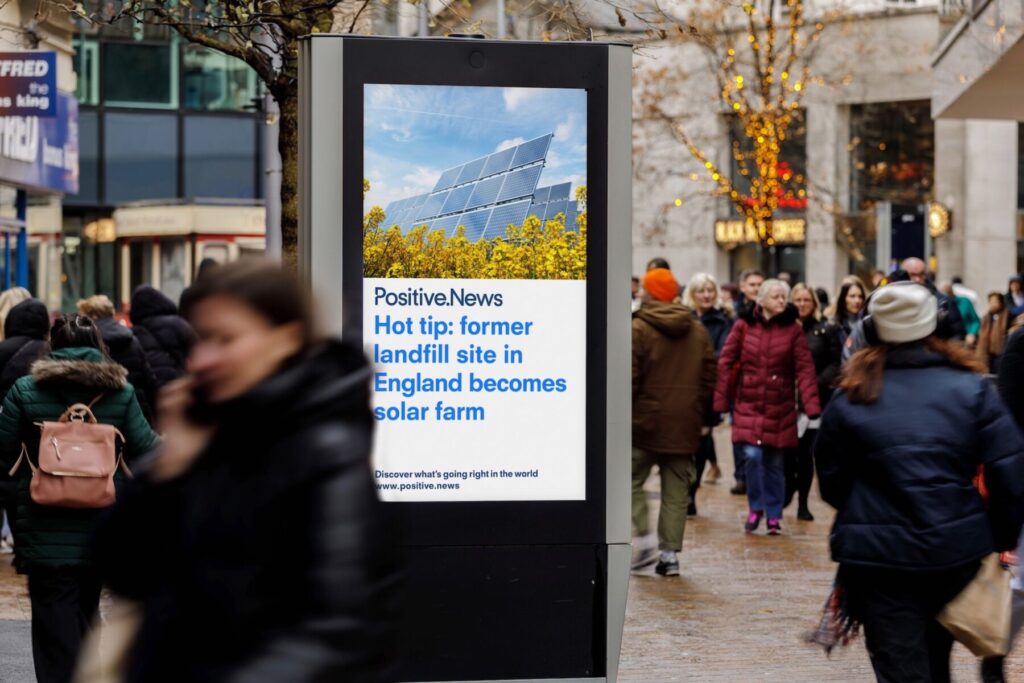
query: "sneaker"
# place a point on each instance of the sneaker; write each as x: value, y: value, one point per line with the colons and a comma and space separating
x: 753, y: 521
x: 667, y: 566
x: 740, y: 489
x: 691, y: 509
x: 644, y: 556
x: 714, y: 474
x: 804, y: 514
x: 6, y: 547
x: 774, y: 527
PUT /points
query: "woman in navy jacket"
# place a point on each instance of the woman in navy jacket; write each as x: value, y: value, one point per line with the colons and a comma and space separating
x: 899, y: 446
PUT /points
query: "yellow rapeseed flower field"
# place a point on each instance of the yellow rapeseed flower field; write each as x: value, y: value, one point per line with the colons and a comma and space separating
x: 531, y: 251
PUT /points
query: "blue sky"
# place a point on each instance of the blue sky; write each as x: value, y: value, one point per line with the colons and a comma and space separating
x: 414, y: 132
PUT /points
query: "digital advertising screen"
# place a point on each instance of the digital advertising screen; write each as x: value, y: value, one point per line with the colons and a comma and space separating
x: 474, y: 292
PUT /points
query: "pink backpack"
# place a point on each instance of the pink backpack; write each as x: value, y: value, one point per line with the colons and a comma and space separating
x: 77, y: 460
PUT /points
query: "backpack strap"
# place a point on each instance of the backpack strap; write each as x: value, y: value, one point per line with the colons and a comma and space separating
x: 96, y: 400
x: 23, y: 456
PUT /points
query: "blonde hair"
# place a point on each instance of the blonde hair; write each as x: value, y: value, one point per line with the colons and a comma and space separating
x: 10, y: 298
x: 768, y: 285
x: 698, y: 282
x: 801, y: 287
x: 96, y: 307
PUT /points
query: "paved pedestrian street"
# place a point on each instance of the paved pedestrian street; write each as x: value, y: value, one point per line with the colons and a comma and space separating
x: 738, y: 613
x: 741, y: 606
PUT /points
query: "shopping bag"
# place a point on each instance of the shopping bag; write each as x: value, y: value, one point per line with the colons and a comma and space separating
x: 979, y: 617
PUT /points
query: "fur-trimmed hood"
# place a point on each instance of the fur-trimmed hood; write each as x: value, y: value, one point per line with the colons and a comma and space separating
x: 788, y: 316
x: 81, y: 366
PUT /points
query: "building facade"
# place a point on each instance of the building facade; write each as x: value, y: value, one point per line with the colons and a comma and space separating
x: 166, y: 123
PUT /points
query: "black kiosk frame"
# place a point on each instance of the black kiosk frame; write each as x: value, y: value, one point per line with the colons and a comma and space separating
x: 494, y: 590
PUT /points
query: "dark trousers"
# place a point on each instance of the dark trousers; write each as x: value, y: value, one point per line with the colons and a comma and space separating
x: 64, y: 603
x: 800, y: 468
x: 897, y: 610
x: 705, y: 454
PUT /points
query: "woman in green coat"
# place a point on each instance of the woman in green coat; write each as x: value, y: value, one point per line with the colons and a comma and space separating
x: 63, y: 587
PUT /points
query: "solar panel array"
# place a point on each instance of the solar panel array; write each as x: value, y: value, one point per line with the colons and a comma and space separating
x: 484, y: 195
x: 550, y: 201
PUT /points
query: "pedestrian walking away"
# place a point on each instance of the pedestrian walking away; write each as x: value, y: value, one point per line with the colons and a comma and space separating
x: 26, y: 330
x: 50, y: 542
x: 899, y: 448
x: 764, y: 360
x: 994, y: 327
x: 124, y: 348
x: 165, y: 336
x: 701, y: 297
x: 826, y: 350
x: 673, y: 378
x: 259, y: 551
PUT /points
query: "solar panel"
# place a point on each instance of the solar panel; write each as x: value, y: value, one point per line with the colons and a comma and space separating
x: 520, y: 183
x: 570, y: 218
x: 537, y: 210
x: 457, y: 199
x: 560, y: 191
x: 486, y: 192
x: 475, y: 222
x: 471, y: 171
x: 504, y: 215
x: 418, y: 200
x: 554, y: 208
x: 448, y: 224
x: 447, y: 179
x: 432, y: 206
x: 541, y: 195
x: 498, y: 162
x: 531, y: 151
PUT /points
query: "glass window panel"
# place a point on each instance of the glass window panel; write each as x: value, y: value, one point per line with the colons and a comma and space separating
x: 140, y: 75
x: 141, y: 157
x: 172, y: 268
x: 216, y: 82
x: 88, y: 160
x: 892, y: 153
x: 141, y: 263
x: 87, y: 68
x: 220, y: 157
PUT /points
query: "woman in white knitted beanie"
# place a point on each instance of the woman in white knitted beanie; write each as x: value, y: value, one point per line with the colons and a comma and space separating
x: 897, y: 453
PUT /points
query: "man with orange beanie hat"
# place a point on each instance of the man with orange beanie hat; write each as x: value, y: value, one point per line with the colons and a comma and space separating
x: 673, y: 379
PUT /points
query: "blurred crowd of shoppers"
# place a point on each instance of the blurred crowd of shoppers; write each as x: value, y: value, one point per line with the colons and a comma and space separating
x: 240, y: 422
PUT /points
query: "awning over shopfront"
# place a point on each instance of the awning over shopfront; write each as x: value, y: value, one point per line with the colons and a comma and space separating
x: 979, y: 66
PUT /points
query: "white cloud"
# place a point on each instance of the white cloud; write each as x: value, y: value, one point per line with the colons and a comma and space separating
x: 422, y: 179
x: 401, y: 133
x: 515, y: 97
x: 565, y: 131
x: 505, y: 144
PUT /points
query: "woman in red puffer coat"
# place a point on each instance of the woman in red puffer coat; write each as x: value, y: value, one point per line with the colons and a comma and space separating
x: 765, y: 359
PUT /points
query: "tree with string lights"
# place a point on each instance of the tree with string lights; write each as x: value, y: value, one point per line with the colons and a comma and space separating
x: 760, y: 55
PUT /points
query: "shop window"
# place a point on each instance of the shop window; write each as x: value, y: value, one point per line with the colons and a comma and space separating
x: 87, y: 69
x: 141, y: 155
x: 140, y: 75
x: 892, y: 153
x: 216, y: 82
x: 88, y: 160
x: 220, y: 157
x: 172, y: 268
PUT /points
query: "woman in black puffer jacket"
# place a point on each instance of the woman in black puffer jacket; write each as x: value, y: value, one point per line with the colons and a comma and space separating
x: 124, y: 348
x: 25, y: 333
x: 899, y: 447
x: 269, y: 437
x: 826, y: 350
x: 165, y: 336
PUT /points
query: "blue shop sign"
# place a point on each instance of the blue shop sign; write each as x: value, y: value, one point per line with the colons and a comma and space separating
x: 28, y: 84
x: 39, y: 153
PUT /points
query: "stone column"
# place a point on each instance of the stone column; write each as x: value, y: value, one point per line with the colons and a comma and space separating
x: 990, y: 206
x: 950, y: 189
x: 827, y: 130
